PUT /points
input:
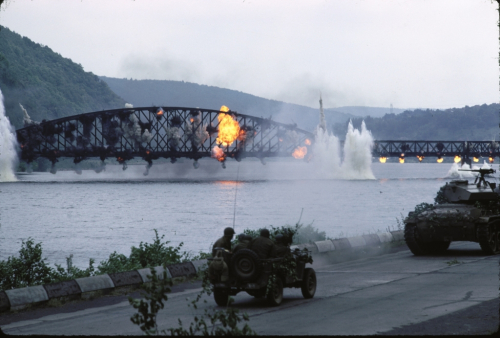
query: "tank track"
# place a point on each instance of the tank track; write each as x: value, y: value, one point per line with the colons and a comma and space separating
x: 488, y: 237
x: 419, y: 247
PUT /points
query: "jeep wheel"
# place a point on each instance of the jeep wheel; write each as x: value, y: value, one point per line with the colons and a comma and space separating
x: 275, y: 295
x: 414, y: 242
x: 221, y: 297
x: 245, y: 265
x: 308, y: 286
x: 488, y: 236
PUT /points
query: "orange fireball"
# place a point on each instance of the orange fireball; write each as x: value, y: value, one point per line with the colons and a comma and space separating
x: 382, y: 159
x: 307, y: 142
x: 299, y: 152
x: 229, y: 129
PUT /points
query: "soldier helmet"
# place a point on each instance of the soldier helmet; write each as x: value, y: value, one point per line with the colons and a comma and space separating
x: 228, y: 232
x: 241, y: 237
x: 264, y: 233
x: 280, y: 238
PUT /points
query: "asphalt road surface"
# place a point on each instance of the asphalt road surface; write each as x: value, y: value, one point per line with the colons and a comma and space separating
x: 396, y: 293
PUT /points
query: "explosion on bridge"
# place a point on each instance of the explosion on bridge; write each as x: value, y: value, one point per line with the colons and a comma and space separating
x: 229, y: 128
x: 218, y: 154
x: 299, y: 152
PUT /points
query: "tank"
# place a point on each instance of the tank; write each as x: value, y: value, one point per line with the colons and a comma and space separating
x: 463, y: 212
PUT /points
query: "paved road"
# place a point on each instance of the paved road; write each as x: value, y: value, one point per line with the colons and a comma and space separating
x: 362, y: 297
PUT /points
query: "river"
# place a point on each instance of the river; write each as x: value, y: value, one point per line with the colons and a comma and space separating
x: 91, y: 215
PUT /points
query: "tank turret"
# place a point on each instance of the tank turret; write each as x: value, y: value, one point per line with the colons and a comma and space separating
x: 460, y: 191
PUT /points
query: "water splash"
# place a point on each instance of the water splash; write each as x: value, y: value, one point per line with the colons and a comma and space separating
x: 8, y: 144
x: 357, y: 157
x: 454, y: 173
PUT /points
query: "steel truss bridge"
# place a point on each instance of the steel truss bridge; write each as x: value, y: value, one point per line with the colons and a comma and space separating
x: 154, y: 132
x: 466, y: 150
x: 174, y: 132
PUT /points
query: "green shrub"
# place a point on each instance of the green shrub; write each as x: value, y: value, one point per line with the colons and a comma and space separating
x: 27, y: 270
x: 146, y: 255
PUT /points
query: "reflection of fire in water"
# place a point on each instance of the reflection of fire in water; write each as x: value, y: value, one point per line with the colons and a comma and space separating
x: 475, y: 159
x: 439, y: 160
x: 299, y: 152
x: 491, y: 159
x: 457, y: 159
x: 382, y: 159
x: 401, y: 160
x: 307, y: 142
x: 420, y: 158
x: 230, y: 183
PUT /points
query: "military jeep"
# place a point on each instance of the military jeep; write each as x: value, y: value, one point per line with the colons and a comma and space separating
x: 264, y: 277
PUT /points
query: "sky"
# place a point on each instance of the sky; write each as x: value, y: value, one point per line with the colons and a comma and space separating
x: 408, y: 53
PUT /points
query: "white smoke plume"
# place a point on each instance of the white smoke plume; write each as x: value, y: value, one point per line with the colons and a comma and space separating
x: 196, y: 132
x: 134, y: 131
x: 100, y: 168
x: 146, y: 136
x: 148, y: 166
x: 357, y: 157
x: 486, y: 165
x: 8, y: 144
x: 129, y: 105
x: 78, y: 169
x: 322, y: 121
x: 291, y: 137
x: 27, y: 121
x: 173, y: 135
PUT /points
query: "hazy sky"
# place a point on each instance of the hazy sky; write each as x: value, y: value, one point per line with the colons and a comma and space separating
x: 411, y: 53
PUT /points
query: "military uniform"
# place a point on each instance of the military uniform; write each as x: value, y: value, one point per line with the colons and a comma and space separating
x: 282, y: 250
x: 223, y: 242
x: 263, y: 247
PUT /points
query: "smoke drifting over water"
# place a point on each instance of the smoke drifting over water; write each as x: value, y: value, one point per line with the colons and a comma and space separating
x: 357, y: 157
x: 455, y: 173
x: 8, y: 143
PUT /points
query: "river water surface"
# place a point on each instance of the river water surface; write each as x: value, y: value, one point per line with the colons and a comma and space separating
x: 91, y: 215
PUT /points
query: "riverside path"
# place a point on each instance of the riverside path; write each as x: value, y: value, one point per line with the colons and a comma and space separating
x: 362, y: 297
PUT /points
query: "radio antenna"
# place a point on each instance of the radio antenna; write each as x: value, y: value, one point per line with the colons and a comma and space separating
x: 235, y: 194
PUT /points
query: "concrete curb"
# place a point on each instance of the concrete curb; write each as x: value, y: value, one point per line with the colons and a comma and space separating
x: 17, y: 298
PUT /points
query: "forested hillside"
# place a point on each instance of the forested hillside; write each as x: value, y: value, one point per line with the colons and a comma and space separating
x: 48, y: 85
x: 477, y: 123
x: 145, y: 93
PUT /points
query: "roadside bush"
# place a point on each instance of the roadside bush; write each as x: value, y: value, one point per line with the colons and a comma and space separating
x: 26, y: 270
x: 146, y: 255
x: 72, y: 272
x: 31, y: 269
